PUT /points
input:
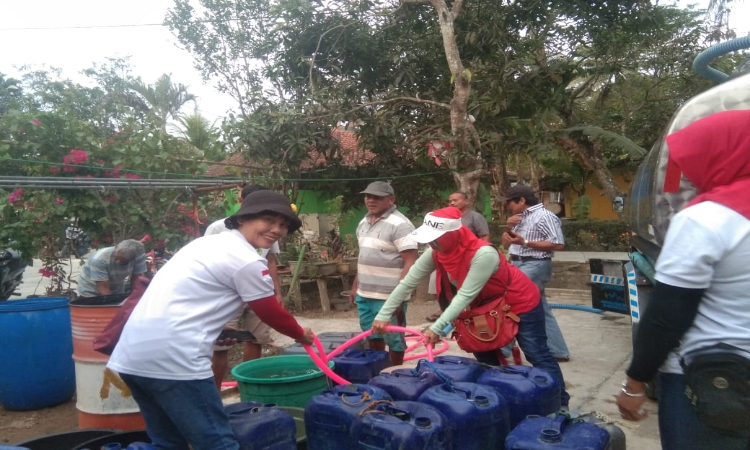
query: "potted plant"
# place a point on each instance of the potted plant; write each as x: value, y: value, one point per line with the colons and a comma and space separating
x: 349, y: 255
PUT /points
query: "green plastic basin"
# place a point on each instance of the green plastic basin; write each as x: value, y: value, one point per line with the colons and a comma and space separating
x: 286, y: 380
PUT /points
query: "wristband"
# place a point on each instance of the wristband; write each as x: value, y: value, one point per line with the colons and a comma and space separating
x: 631, y: 394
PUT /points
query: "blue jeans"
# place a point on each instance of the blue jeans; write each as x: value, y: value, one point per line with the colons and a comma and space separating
x: 532, y: 338
x: 179, y: 413
x: 540, y: 272
x: 680, y: 429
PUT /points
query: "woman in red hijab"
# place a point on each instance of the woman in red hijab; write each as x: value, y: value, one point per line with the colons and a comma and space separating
x: 476, y: 270
x: 701, y: 299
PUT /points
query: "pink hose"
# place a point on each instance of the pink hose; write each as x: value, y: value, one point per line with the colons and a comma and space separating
x: 320, y: 360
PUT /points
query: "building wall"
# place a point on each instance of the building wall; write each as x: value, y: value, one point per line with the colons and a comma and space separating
x: 601, y: 205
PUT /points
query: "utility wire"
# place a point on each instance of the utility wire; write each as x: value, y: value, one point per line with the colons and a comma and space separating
x: 209, y: 178
x: 91, y: 27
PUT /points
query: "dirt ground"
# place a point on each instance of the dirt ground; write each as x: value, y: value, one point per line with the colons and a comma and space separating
x: 18, y: 426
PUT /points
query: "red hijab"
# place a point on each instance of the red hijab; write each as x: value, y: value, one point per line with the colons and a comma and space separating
x: 714, y: 154
x: 457, y: 247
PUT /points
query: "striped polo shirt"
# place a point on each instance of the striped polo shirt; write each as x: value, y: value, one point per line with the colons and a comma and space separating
x: 537, y: 224
x: 380, y: 264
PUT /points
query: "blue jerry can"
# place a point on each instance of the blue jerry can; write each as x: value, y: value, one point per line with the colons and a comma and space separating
x: 457, y: 368
x: 478, y: 414
x: 262, y: 427
x: 558, y: 433
x: 329, y: 415
x: 528, y: 390
x: 359, y: 366
x: 406, y: 384
x: 402, y: 425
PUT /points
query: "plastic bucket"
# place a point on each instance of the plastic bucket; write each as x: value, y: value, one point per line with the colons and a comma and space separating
x: 103, y: 399
x: 36, y: 370
x: 286, y: 380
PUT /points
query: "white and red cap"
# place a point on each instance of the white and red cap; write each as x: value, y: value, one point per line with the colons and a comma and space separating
x: 436, y: 224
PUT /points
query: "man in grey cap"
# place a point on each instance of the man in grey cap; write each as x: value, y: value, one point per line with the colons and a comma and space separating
x: 386, y: 252
x: 535, y: 234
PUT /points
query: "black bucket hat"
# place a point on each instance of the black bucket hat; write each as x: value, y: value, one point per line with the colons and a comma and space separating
x: 265, y: 201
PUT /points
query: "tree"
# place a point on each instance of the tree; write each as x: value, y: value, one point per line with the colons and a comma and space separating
x: 468, y: 82
x: 197, y: 130
x: 163, y: 99
x: 52, y: 135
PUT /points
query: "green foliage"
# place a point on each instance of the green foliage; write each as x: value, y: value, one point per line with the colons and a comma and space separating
x: 596, y: 235
x: 59, y: 128
x: 582, y: 207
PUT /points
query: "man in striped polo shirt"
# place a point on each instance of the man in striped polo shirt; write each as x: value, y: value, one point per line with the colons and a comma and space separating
x: 536, y: 233
x: 386, y: 252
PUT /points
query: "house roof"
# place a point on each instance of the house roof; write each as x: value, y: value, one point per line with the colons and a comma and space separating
x: 351, y: 155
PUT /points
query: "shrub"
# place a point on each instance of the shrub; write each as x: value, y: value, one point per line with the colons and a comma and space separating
x: 596, y: 235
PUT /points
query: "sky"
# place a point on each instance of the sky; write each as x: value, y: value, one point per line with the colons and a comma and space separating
x: 153, y: 49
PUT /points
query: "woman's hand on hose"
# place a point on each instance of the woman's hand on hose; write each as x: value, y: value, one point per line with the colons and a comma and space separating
x: 307, y: 338
x: 430, y: 337
x: 378, y: 326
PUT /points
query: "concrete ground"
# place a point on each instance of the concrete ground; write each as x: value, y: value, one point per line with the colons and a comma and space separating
x: 600, y: 347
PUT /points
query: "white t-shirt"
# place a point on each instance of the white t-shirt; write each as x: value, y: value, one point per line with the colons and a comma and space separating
x: 171, y: 332
x: 708, y: 247
x: 219, y: 227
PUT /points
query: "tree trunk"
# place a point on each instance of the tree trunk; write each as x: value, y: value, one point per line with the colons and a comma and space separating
x: 464, y: 157
x: 587, y: 152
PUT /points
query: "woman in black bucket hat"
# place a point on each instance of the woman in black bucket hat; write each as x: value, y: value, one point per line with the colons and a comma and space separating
x: 164, y: 353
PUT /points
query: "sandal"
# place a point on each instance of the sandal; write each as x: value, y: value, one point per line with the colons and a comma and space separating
x: 433, y: 317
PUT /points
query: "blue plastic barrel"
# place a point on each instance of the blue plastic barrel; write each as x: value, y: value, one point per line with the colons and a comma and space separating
x: 329, y: 415
x: 406, y: 384
x: 559, y: 433
x: 359, y: 366
x: 402, y: 425
x: 36, y: 351
x: 528, y: 390
x: 478, y: 414
x: 457, y: 368
x: 266, y: 427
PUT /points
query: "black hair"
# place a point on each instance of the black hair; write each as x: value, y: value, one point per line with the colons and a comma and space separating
x: 530, y: 201
x: 464, y: 194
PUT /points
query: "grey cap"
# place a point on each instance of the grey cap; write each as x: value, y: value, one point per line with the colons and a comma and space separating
x: 518, y: 191
x: 379, y: 188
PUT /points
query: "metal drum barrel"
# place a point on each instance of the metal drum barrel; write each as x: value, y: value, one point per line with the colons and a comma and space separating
x: 103, y: 399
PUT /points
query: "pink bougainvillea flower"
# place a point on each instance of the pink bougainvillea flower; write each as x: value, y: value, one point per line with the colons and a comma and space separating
x: 54, y: 169
x: 146, y: 238
x: 95, y: 243
x: 132, y: 176
x: 47, y: 273
x: 58, y: 200
x: 36, y: 122
x: 67, y: 168
x: 110, y: 198
x: 76, y: 157
x: 107, y: 239
x: 15, y: 196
